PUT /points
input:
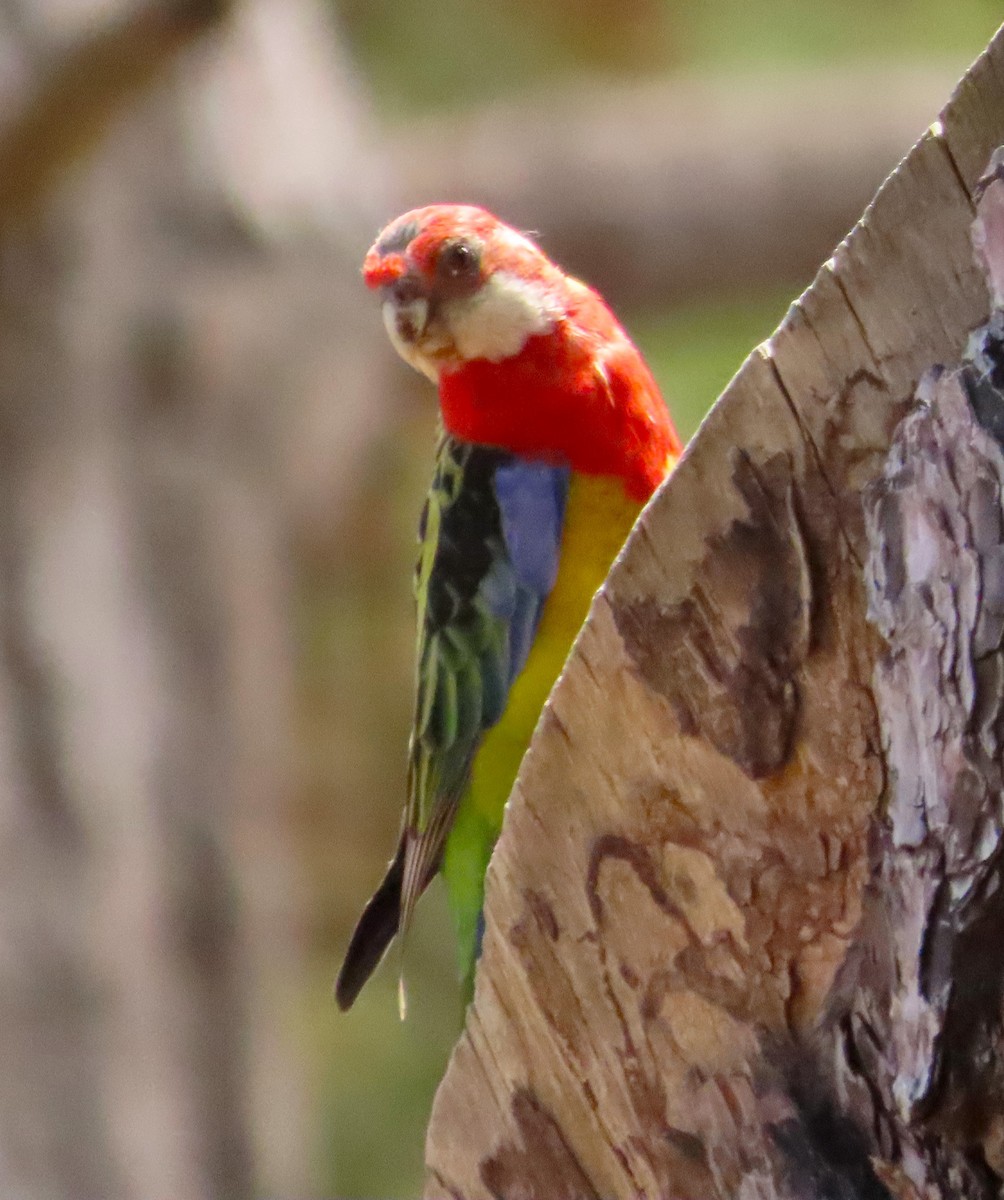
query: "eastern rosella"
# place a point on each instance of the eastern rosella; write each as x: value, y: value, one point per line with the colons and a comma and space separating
x: 554, y: 436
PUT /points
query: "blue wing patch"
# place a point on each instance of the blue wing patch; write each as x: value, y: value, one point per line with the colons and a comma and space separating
x: 531, y: 499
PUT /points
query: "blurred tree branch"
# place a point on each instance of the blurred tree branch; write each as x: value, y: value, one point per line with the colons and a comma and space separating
x: 169, y: 312
x: 84, y: 88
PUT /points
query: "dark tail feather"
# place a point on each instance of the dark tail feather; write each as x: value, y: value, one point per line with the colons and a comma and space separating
x: 373, y: 934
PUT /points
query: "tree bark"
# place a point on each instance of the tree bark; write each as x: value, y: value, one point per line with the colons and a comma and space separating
x: 741, y: 924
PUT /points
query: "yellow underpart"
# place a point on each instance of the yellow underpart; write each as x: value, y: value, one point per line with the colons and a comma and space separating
x: 598, y: 518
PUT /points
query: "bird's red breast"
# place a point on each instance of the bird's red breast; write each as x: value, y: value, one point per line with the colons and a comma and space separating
x: 580, y: 394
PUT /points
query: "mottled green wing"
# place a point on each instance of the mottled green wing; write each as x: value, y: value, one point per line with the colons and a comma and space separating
x: 490, y: 538
x: 467, y: 593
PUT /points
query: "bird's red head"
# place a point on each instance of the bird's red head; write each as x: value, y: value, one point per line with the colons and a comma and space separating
x: 526, y: 357
x: 459, y: 285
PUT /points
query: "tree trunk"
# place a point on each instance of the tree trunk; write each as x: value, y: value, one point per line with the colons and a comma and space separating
x: 743, y: 916
x: 169, y: 287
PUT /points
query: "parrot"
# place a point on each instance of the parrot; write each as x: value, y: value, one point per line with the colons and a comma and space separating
x: 553, y: 435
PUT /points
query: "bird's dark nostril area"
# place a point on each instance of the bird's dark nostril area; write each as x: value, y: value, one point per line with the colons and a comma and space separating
x: 407, y: 330
x: 406, y: 289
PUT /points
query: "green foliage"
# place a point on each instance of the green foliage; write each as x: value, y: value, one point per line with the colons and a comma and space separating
x: 375, y: 1076
x: 460, y: 52
x: 695, y: 351
x: 763, y: 32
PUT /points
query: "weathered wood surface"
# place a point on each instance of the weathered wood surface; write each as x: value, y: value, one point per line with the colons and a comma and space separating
x: 709, y: 916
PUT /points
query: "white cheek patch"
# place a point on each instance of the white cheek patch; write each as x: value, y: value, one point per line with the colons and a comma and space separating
x: 496, y: 322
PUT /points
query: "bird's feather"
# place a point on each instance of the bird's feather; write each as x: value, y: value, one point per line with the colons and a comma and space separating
x: 489, y: 546
x: 489, y: 556
x: 533, y: 370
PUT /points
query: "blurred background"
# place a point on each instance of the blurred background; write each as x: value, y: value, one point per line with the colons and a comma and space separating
x: 211, y: 469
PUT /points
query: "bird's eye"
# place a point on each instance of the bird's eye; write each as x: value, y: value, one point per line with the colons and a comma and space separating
x: 458, y: 260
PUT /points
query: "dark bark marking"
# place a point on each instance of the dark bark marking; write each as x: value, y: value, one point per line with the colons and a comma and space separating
x: 612, y: 845
x: 812, y: 1162
x: 727, y: 657
x: 819, y: 1149
x: 535, y: 937
x: 679, y: 1159
x: 539, y: 1164
x: 543, y: 913
x: 968, y: 1092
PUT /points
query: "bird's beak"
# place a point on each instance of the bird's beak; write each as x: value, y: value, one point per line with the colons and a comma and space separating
x: 407, y: 314
x: 406, y: 309
x: 406, y: 299
x: 406, y: 317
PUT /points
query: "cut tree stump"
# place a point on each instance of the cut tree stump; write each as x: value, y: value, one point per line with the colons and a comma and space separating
x: 745, y: 934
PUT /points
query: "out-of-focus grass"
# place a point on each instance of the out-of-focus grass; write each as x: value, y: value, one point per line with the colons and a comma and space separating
x: 461, y: 52
x: 784, y: 31
x: 695, y: 351
x: 374, y: 1075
